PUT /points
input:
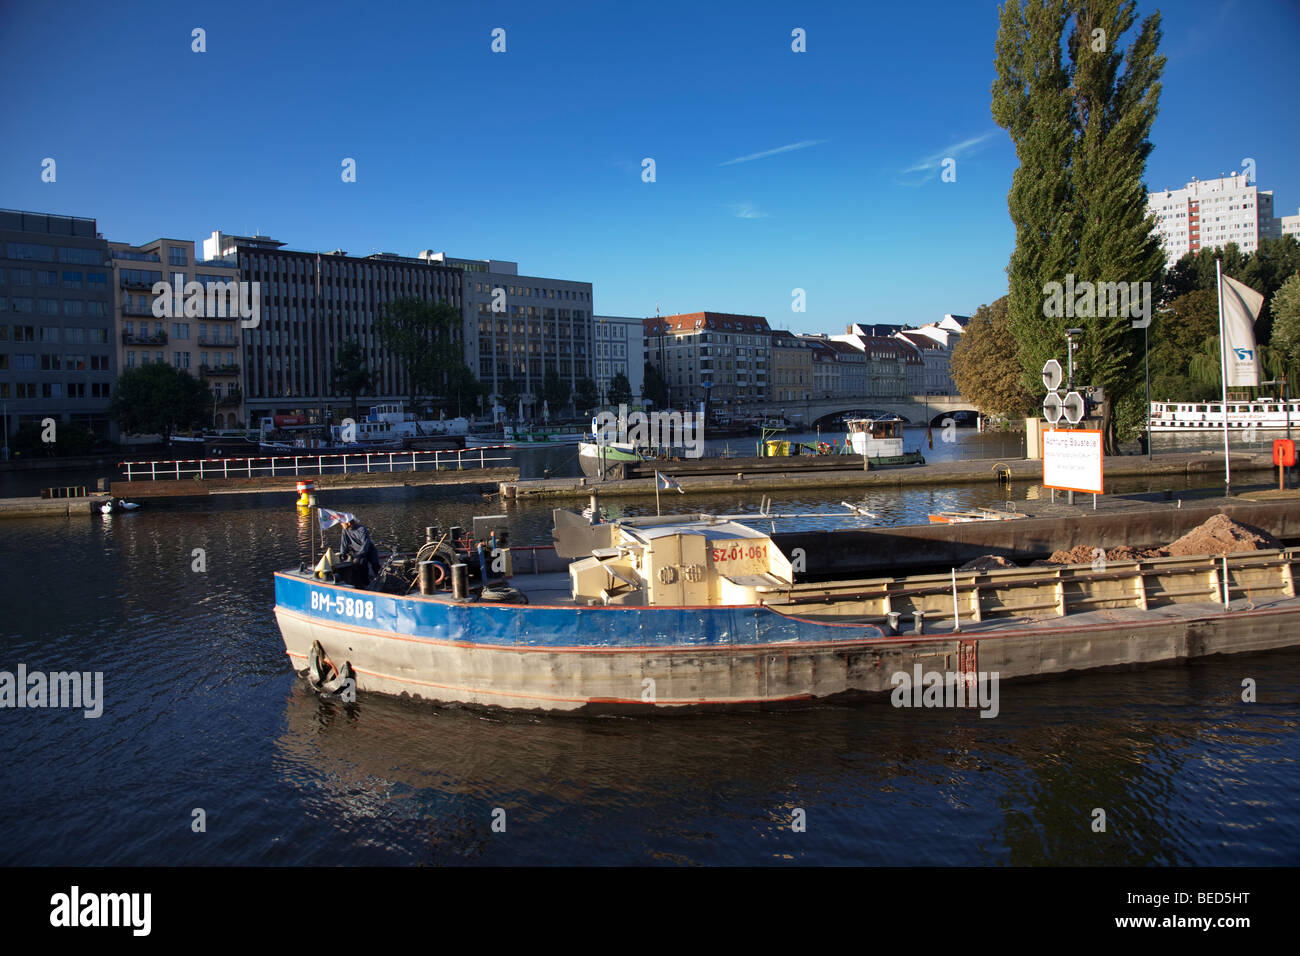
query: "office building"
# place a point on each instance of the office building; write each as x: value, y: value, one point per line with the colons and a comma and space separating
x: 57, y: 358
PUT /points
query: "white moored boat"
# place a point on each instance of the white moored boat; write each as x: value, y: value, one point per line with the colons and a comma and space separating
x: 1266, y: 413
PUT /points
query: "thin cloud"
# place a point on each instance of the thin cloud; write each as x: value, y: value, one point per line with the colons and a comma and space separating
x: 932, y: 162
x: 773, y: 152
x: 747, y: 210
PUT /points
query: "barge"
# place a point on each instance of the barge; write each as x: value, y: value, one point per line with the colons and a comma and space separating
x: 698, y: 611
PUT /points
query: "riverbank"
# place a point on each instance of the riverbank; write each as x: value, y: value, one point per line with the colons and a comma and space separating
x: 990, y: 470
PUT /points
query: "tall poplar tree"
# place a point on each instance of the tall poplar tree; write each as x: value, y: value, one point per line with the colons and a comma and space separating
x: 1078, y: 199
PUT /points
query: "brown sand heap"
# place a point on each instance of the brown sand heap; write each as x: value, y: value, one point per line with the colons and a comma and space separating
x: 1221, y: 535
x: 1085, y: 554
x: 1218, y: 535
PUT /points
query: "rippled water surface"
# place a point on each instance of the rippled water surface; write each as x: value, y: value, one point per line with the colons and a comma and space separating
x: 203, y: 711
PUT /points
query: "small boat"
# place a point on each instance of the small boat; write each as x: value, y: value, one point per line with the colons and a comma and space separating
x: 977, y: 514
x: 880, y: 441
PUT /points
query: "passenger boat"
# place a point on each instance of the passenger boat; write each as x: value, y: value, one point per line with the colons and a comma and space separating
x: 700, y: 611
x: 1263, y: 413
x: 880, y: 441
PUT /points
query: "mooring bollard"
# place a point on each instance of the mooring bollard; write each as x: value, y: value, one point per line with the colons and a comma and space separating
x: 459, y: 582
x: 426, y: 578
x: 918, y: 622
x: 892, y: 621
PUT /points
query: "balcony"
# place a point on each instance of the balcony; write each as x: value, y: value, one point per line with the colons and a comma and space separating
x: 206, y: 370
x: 136, y: 308
x: 214, y: 342
x: 157, y: 338
x: 133, y: 283
x: 234, y: 398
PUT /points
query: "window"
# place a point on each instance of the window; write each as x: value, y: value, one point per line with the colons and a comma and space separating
x: 97, y: 281
x: 99, y: 363
x: 84, y: 257
x: 25, y: 363
x: 47, y: 278
x: 99, y: 389
x: 24, y: 333
x: 95, y: 308
x: 73, y: 307
x: 97, y: 336
x: 76, y: 390
x: 25, y: 389
x: 177, y: 256
x: 72, y: 280
x: 48, y: 306
x: 31, y: 250
x: 74, y: 363
x: 51, y: 390
x: 22, y: 305
x: 74, y: 336
x: 49, y: 333
x: 130, y: 359
x: 51, y: 363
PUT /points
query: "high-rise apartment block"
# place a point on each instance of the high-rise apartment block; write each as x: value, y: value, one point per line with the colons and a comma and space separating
x: 1210, y: 213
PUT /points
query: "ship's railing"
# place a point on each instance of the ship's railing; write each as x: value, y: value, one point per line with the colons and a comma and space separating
x: 288, y: 466
x: 963, y: 597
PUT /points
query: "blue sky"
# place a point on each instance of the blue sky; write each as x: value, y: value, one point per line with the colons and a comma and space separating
x: 774, y: 170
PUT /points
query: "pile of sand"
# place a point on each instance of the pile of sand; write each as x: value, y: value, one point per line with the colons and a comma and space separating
x: 1222, y: 535
x: 1219, y: 535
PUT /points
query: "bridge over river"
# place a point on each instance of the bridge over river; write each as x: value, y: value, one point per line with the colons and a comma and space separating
x: 917, y: 409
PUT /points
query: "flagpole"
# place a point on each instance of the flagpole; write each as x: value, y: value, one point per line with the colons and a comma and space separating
x: 1223, y: 367
x: 657, y: 511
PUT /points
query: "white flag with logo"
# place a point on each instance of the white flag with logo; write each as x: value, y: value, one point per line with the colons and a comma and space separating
x: 1241, y: 305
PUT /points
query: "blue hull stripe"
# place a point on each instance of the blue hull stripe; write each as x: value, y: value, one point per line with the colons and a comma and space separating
x: 558, y: 627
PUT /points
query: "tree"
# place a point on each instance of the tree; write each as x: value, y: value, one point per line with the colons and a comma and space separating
x: 1285, y: 306
x: 1078, y: 200
x: 555, y: 390
x: 463, y: 387
x: 587, y: 395
x: 424, y: 338
x: 158, y: 398
x: 655, y: 388
x: 511, y: 392
x: 350, y: 375
x: 620, y: 390
x: 985, y: 368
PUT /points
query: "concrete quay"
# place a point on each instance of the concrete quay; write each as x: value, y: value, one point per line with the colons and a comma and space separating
x: 972, y: 471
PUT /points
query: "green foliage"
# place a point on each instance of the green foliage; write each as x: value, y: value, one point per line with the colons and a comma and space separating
x: 555, y: 390
x: 985, y: 368
x: 511, y: 391
x: 424, y: 338
x: 654, y: 387
x: 463, y: 388
x: 350, y: 376
x: 1264, y: 270
x: 1285, y: 306
x: 69, y: 439
x: 1078, y: 202
x: 620, y: 390
x: 587, y: 395
x: 160, y: 399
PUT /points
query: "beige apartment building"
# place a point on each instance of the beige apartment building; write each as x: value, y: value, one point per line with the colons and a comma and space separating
x: 205, y: 345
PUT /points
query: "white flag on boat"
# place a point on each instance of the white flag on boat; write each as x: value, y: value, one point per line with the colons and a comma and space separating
x: 667, y: 484
x: 1241, y: 305
x: 329, y: 519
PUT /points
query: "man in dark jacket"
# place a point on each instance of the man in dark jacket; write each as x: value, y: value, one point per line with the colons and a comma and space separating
x: 356, y: 544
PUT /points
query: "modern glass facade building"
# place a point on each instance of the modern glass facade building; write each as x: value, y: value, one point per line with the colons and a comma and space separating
x: 57, y: 355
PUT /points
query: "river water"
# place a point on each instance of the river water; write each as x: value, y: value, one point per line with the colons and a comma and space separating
x: 201, y: 711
